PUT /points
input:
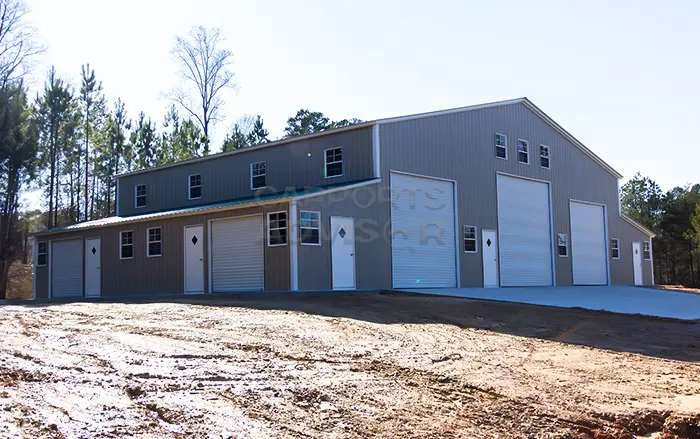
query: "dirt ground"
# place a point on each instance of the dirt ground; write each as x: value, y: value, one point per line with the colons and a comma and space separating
x: 20, y: 284
x: 350, y: 367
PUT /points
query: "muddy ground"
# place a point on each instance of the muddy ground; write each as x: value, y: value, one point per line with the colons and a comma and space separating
x: 352, y: 367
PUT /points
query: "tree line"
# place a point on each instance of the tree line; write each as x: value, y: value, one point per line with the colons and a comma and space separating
x: 675, y: 218
x: 70, y: 143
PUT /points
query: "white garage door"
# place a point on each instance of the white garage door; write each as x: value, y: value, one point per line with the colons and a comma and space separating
x: 524, y: 232
x: 588, y: 244
x: 423, y: 243
x: 67, y: 268
x: 237, y: 254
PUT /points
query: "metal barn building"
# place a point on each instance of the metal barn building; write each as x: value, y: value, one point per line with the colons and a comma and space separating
x: 493, y: 195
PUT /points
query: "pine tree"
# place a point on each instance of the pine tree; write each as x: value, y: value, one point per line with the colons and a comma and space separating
x: 93, y: 107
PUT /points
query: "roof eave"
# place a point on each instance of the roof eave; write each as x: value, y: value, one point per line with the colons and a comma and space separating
x: 638, y: 226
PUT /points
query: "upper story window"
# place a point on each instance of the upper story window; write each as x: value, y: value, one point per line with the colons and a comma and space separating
x: 469, y: 239
x: 615, y: 247
x: 563, y: 245
x: 647, y: 250
x: 523, y: 151
x: 276, y: 228
x: 195, y: 186
x: 334, y: 162
x: 258, y: 171
x: 501, y: 146
x: 544, y: 156
x: 154, y: 244
x: 41, y: 254
x: 310, y: 225
x: 126, y: 249
x: 140, y: 194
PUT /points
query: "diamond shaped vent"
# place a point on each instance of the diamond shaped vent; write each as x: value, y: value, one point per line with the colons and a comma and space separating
x: 194, y: 240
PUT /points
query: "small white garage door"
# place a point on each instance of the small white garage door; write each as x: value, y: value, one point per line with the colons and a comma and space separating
x: 237, y: 254
x: 588, y: 244
x: 67, y: 268
x: 524, y: 232
x: 423, y: 243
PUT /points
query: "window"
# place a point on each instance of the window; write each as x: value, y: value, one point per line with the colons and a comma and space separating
x: 140, y: 192
x: 544, y: 156
x: 523, y: 151
x: 310, y: 228
x: 154, y: 247
x: 277, y: 228
x: 647, y: 251
x: 257, y: 175
x: 334, y: 162
x: 615, y: 246
x: 469, y: 239
x: 195, y: 186
x: 126, y: 250
x: 501, y: 146
x: 41, y: 254
x: 563, y: 244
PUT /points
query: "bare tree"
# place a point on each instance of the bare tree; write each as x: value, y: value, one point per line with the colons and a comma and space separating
x: 17, y: 44
x: 206, y: 67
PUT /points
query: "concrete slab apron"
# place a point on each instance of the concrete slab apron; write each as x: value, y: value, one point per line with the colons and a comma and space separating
x: 624, y: 300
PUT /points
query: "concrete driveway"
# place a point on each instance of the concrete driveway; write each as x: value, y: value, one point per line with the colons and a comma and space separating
x: 624, y: 300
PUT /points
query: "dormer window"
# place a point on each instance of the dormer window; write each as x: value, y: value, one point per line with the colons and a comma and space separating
x: 140, y: 193
x: 195, y: 186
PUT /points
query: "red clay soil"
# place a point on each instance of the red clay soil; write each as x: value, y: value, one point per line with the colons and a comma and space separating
x: 353, y: 367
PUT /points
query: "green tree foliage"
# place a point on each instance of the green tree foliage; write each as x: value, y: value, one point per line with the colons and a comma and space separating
x: 247, y: 131
x: 93, y: 107
x: 641, y: 200
x: 309, y: 122
x: 181, y: 140
x: 144, y: 142
x: 258, y: 134
x: 675, y: 217
x: 18, y: 151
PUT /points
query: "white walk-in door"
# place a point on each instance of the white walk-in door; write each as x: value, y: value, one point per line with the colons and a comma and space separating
x: 489, y: 251
x: 93, y: 267
x: 637, y: 260
x: 67, y: 268
x: 237, y: 254
x: 524, y: 232
x: 423, y: 241
x: 589, y: 249
x: 343, y: 252
x: 194, y: 259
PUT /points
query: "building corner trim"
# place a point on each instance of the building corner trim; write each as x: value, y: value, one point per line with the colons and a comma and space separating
x: 293, y: 247
x: 376, y: 152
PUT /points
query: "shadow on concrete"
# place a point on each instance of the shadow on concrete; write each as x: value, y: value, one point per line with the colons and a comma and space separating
x: 649, y: 336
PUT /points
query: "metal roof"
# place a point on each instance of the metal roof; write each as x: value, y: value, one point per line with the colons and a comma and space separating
x: 639, y: 227
x: 207, y: 208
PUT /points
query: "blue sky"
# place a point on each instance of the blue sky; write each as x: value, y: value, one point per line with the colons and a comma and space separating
x: 621, y: 76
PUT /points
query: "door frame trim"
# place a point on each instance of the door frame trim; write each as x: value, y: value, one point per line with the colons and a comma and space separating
x: 606, y: 237
x: 184, y: 257
x: 455, y: 201
x: 354, y: 252
x: 641, y: 263
x: 498, y: 259
x: 210, y: 262
x: 85, y: 263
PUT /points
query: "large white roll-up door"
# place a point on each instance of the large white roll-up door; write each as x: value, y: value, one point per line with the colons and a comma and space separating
x: 423, y: 243
x: 588, y: 244
x: 237, y: 254
x: 524, y: 232
x: 67, y: 268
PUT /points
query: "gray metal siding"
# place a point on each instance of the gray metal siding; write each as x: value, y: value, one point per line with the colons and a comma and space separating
x: 165, y: 274
x: 460, y: 146
x: 228, y: 177
x: 622, y: 270
x: 369, y: 208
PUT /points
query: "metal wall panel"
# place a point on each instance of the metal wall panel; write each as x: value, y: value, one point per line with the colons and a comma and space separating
x: 460, y: 146
x: 165, y: 274
x: 370, y: 209
x: 292, y: 165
